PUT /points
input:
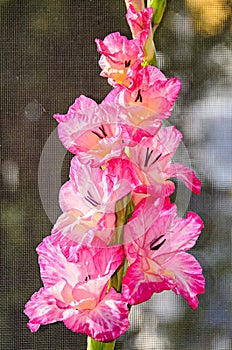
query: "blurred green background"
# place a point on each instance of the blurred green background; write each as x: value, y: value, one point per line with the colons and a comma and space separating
x: 48, y: 58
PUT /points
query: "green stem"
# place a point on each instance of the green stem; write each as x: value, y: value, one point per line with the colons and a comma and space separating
x: 93, y: 344
x: 123, y: 210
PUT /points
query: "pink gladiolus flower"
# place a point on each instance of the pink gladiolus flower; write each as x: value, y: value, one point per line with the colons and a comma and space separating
x: 154, y: 155
x: 157, y: 258
x: 118, y: 56
x: 88, y: 200
x: 98, y: 133
x: 150, y: 97
x: 93, y: 133
x: 88, y: 189
x: 76, y: 293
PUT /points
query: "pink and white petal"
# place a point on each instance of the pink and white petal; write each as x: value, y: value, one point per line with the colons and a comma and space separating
x: 42, y: 309
x: 147, y: 212
x: 54, y: 265
x: 176, y: 234
x: 169, y: 234
x: 186, y: 175
x: 188, y: 277
x: 133, y: 134
x: 122, y: 169
x: 117, y: 49
x: 184, y: 232
x: 118, y: 55
x: 168, y: 139
x: 81, y: 104
x: 73, y: 225
x: 99, y: 261
x: 106, y: 322
x: 139, y: 286
x: 151, y: 74
x: 152, y: 92
x: 70, y: 198
x: 169, y: 88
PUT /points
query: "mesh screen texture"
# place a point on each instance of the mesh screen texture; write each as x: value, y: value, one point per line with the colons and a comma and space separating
x: 48, y: 58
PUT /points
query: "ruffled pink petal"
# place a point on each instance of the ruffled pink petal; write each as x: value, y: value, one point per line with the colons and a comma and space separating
x: 163, y: 235
x: 122, y: 169
x: 139, y: 286
x: 42, y: 309
x: 188, y: 278
x: 186, y: 175
x: 181, y: 234
x: 95, y: 134
x: 81, y: 104
x: 147, y: 212
x: 112, y: 96
x: 118, y: 50
x: 73, y: 228
x: 168, y: 140
x: 70, y: 198
x: 101, y: 261
x: 106, y: 322
x: 53, y: 264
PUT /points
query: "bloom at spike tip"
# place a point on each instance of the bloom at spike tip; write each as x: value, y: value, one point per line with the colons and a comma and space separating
x: 158, y: 260
x: 139, y: 22
x: 118, y: 56
x: 76, y: 293
x: 140, y: 26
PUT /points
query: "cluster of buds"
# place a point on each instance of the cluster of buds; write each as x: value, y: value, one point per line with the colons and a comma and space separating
x: 119, y: 238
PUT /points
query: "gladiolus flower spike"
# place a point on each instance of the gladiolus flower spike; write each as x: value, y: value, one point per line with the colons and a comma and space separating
x: 119, y: 239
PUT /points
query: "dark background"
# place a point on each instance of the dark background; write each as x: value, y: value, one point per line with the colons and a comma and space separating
x: 48, y: 58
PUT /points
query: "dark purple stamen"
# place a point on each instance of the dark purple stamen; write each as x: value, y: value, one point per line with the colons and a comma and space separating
x: 154, y: 245
x: 101, y: 128
x: 91, y: 200
x: 157, y: 158
x: 139, y: 97
x: 148, y: 156
x: 127, y: 63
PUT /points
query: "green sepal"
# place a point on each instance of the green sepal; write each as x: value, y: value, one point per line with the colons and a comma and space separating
x: 153, y: 61
x: 159, y: 8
